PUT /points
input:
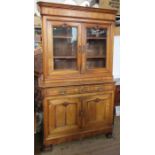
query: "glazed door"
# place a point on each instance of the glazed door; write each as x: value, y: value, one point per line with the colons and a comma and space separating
x: 96, y: 48
x: 98, y: 111
x: 61, y: 116
x: 63, y: 45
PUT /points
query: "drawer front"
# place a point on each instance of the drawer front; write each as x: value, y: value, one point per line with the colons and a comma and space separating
x: 77, y: 89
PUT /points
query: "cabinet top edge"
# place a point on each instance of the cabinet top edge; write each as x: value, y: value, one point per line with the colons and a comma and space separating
x: 75, y: 7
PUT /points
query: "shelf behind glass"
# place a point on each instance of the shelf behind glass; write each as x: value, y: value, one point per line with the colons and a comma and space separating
x: 96, y: 48
x: 62, y: 64
x: 95, y: 63
x: 64, y: 47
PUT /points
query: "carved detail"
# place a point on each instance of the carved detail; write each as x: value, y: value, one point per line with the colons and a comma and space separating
x: 65, y: 104
x: 97, y: 100
x: 97, y: 27
x: 66, y: 26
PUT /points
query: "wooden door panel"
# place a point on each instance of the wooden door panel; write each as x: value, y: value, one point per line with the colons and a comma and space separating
x: 71, y: 114
x: 62, y: 58
x: 98, y: 111
x: 62, y: 116
x: 60, y: 112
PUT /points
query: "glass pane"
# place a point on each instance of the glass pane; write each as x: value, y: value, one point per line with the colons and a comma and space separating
x: 65, y: 47
x: 96, y: 48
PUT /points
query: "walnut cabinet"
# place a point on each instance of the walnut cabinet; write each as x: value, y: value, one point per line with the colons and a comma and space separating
x: 77, y: 82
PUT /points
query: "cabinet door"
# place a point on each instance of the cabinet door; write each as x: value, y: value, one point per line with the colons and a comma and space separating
x: 61, y: 116
x: 98, y: 111
x: 63, y: 48
x: 97, y: 51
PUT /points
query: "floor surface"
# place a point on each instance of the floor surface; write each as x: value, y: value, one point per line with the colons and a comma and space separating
x: 96, y: 145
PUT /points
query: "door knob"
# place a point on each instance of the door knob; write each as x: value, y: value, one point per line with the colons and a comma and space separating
x: 81, y: 113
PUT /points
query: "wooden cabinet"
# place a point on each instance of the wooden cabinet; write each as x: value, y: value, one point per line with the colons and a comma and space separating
x: 77, y: 82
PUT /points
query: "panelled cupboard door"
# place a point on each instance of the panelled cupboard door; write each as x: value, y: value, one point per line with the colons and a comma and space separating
x: 98, y: 111
x: 61, y: 116
x: 63, y: 47
x: 96, y: 48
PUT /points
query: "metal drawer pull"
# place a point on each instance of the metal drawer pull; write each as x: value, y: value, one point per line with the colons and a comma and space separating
x: 84, y: 89
x: 62, y: 92
x: 99, y: 89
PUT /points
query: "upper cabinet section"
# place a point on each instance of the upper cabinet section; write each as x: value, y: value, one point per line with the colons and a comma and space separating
x: 77, y: 44
x: 76, y: 48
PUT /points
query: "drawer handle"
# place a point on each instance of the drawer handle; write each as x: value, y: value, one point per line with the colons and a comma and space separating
x: 81, y: 113
x: 99, y: 89
x: 82, y: 90
x: 62, y: 92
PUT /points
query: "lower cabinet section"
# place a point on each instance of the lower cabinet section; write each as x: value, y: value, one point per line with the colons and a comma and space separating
x: 76, y: 116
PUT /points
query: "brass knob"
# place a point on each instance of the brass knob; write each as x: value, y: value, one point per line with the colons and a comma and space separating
x: 99, y: 89
x: 81, y: 113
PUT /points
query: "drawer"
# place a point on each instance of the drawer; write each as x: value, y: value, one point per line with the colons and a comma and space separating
x: 77, y: 89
